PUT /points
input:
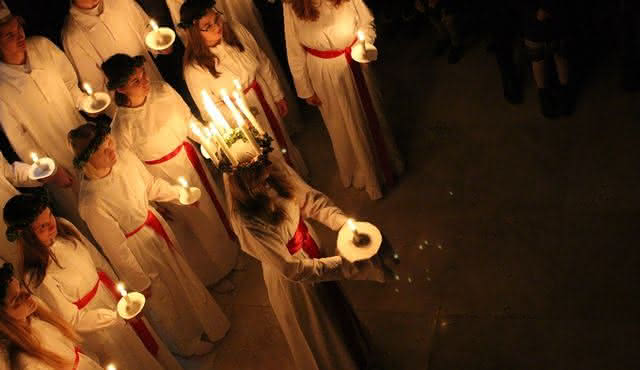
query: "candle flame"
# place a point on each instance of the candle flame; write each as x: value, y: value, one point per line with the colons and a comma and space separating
x: 352, y: 225
x: 154, y: 25
x: 34, y: 157
x: 121, y: 289
x: 87, y: 88
x: 182, y: 181
x: 237, y: 84
x: 360, y: 35
x: 213, y: 111
x: 111, y: 367
x: 196, y: 130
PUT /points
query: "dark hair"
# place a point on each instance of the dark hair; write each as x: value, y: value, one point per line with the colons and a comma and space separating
x: 6, y: 274
x: 118, y: 69
x: 85, y: 140
x: 307, y: 10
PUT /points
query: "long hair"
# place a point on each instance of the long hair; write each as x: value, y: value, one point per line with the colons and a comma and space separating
x: 35, y: 257
x: 22, y: 340
x: 249, y: 197
x: 307, y: 10
x: 198, y: 53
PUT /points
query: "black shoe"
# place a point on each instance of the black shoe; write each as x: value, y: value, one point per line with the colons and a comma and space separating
x: 565, y: 101
x: 454, y: 55
x: 547, y: 107
x: 440, y: 47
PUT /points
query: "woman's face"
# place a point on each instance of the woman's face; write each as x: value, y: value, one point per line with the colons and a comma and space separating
x: 18, y: 304
x: 12, y: 39
x: 210, y: 28
x: 45, y: 227
x: 138, y: 85
x: 105, y: 156
x: 86, y: 4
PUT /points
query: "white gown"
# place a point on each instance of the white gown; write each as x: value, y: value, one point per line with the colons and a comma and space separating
x: 317, y: 321
x: 180, y: 308
x: 91, y: 37
x: 53, y: 340
x: 38, y: 108
x: 248, y: 66
x: 358, y: 157
x: 156, y: 129
x: 69, y: 280
x: 13, y: 175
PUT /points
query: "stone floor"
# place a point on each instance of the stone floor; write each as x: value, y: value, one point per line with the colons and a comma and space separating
x: 531, y: 261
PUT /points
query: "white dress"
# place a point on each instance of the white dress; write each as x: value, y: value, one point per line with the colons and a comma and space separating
x: 317, y: 321
x: 90, y: 37
x: 38, y: 108
x: 118, y: 211
x: 12, y: 175
x: 70, y: 280
x: 249, y: 66
x: 364, y: 149
x: 52, y: 339
x: 153, y: 131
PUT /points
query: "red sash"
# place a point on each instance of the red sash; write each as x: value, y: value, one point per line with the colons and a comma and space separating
x: 76, y: 361
x: 367, y: 105
x: 302, y: 240
x: 154, y: 224
x: 137, y: 324
x: 271, y: 117
x: 192, y: 154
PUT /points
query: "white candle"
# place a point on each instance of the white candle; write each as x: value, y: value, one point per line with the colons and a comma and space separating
x: 237, y: 84
x: 123, y: 292
x: 35, y: 159
x: 205, y: 141
x: 245, y: 110
x: 352, y: 226
x: 87, y: 87
x: 214, y: 113
x: 154, y: 25
x: 362, y: 40
x: 183, y: 182
x: 223, y: 145
x: 111, y: 367
x: 239, y: 120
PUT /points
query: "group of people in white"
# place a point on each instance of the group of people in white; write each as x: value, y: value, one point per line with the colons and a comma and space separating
x: 111, y: 212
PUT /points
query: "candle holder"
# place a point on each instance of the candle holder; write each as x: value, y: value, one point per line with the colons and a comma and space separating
x: 130, y: 305
x: 160, y: 39
x: 364, y: 52
x: 190, y: 195
x: 42, y: 168
x: 361, y: 244
x: 96, y: 102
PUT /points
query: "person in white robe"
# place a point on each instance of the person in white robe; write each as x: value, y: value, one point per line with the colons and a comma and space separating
x: 319, y: 53
x: 97, y: 29
x: 270, y: 208
x: 39, y: 100
x: 222, y: 53
x: 154, y: 123
x: 64, y: 269
x: 115, y: 198
x: 246, y: 13
x: 38, y: 338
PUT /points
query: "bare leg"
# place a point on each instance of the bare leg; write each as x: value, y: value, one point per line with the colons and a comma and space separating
x: 562, y: 67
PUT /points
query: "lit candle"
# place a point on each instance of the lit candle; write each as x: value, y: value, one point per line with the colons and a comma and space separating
x: 154, y: 25
x: 245, y: 110
x: 237, y: 84
x: 88, y: 89
x: 35, y: 159
x: 214, y: 113
x: 123, y: 292
x: 362, y: 40
x: 239, y: 120
x: 352, y: 226
x: 223, y: 145
x: 205, y: 141
x: 183, y: 182
x: 111, y: 367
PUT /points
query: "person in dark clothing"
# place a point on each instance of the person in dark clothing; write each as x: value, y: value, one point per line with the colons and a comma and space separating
x: 545, y: 30
x: 630, y: 44
x: 443, y: 15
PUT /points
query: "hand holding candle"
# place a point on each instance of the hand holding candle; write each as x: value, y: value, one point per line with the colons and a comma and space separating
x: 123, y: 292
x: 362, y: 51
x: 359, y: 239
x: 35, y: 159
x: 188, y: 194
x: 160, y: 39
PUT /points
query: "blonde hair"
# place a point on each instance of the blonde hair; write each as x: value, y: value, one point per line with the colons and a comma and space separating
x: 21, y: 339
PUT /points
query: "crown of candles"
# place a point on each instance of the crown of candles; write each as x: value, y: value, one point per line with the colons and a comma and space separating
x: 243, y: 147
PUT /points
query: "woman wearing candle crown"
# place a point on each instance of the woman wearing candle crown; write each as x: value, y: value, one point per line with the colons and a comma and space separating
x: 219, y: 53
x: 153, y: 122
x: 269, y: 206
x: 319, y: 36
x: 63, y: 269
x: 115, y: 197
x: 36, y: 337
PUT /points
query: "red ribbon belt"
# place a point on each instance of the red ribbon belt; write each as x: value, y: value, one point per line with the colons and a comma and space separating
x: 154, y: 224
x: 367, y: 105
x: 76, y: 360
x: 302, y: 240
x: 192, y: 154
x: 271, y: 117
x: 137, y: 324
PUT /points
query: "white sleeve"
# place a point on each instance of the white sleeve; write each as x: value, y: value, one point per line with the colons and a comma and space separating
x: 366, y: 20
x: 21, y: 140
x: 296, y: 55
x: 84, y: 321
x: 109, y: 235
x: 265, y: 68
x: 17, y: 173
x: 87, y: 69
x: 66, y: 72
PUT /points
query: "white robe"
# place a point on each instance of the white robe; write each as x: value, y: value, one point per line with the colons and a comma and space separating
x: 53, y: 340
x: 155, y: 129
x: 317, y: 321
x: 12, y: 175
x: 73, y: 276
x: 248, y: 66
x: 333, y: 82
x: 38, y: 108
x: 180, y: 307
x: 90, y: 39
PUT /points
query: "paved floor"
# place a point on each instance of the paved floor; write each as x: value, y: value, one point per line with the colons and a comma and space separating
x: 531, y: 261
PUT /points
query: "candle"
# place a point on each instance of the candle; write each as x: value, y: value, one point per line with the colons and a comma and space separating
x: 183, y: 182
x: 88, y: 89
x: 243, y: 107
x: 223, y: 145
x: 123, y: 292
x: 352, y: 226
x: 237, y: 84
x: 111, y: 367
x: 154, y: 25
x: 35, y: 159
x: 362, y: 40
x: 210, y: 147
x: 239, y: 120
x: 205, y: 141
x: 214, y: 113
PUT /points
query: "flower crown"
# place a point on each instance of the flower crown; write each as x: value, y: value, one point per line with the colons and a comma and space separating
x: 261, y: 160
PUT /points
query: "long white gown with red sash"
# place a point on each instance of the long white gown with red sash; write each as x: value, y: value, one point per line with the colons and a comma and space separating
x: 52, y: 339
x: 158, y: 133
x: 319, y: 56
x: 318, y: 323
x: 260, y: 84
x: 80, y: 287
x: 145, y: 253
